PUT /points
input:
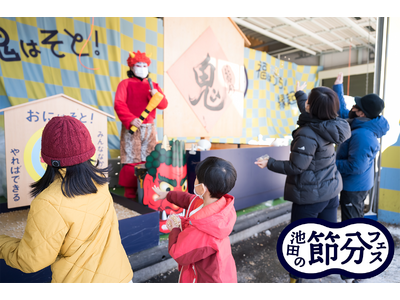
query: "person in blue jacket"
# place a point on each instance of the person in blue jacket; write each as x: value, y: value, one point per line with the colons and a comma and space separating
x: 355, y: 157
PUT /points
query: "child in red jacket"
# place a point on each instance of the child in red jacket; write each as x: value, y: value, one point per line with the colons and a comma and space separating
x: 199, y: 242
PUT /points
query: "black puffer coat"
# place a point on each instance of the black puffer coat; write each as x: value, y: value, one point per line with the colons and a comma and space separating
x: 311, y: 169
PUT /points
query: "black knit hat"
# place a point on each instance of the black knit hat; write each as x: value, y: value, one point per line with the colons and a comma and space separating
x: 371, y: 105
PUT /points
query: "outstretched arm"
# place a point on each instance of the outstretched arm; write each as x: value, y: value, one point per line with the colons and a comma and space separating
x: 181, y: 199
x: 338, y: 88
x: 301, y: 97
x: 302, y: 153
x: 41, y: 243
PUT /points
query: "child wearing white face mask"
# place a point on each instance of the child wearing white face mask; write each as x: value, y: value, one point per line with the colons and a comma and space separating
x: 199, y: 242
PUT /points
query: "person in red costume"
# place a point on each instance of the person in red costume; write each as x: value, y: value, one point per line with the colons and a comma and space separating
x: 132, y: 96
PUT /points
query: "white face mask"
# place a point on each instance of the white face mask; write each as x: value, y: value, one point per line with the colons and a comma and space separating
x: 140, y: 69
x: 194, y: 190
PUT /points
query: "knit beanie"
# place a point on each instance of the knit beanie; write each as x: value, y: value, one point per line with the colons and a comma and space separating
x: 66, y: 142
x: 371, y: 105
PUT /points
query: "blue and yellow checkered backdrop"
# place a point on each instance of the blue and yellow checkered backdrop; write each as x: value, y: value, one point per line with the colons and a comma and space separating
x: 39, y: 57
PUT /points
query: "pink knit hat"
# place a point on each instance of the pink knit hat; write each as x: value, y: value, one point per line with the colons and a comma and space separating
x: 66, y: 142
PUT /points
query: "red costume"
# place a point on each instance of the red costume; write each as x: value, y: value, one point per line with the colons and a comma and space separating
x: 131, y: 99
x: 132, y: 96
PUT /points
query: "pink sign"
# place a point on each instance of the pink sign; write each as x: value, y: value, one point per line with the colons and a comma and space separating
x: 205, y: 79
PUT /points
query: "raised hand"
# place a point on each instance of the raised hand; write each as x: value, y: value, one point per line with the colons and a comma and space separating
x: 160, y: 193
x: 302, y: 87
x: 339, y: 79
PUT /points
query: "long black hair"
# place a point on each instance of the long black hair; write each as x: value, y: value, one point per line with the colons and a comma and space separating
x: 78, y: 180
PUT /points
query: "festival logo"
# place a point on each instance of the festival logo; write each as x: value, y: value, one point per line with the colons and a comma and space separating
x: 357, y: 248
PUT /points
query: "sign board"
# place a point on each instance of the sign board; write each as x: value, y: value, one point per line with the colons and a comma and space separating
x: 24, y: 124
x: 204, y: 75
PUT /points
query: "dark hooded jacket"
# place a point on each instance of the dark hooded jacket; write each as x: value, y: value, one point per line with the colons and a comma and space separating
x: 355, y: 157
x: 311, y: 171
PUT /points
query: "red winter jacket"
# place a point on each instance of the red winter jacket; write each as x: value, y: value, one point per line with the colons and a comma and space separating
x: 131, y: 99
x: 203, y: 249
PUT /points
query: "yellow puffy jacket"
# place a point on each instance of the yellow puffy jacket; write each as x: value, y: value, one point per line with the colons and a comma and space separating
x: 78, y: 237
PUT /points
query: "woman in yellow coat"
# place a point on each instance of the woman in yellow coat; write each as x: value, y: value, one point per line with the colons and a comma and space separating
x: 72, y: 224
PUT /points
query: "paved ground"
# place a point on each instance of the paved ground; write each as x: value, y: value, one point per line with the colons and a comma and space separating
x: 257, y: 262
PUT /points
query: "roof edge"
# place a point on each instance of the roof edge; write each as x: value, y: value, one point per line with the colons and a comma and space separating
x: 246, y: 41
x: 54, y: 96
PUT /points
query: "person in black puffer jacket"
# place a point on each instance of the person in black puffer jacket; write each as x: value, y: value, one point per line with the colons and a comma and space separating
x: 313, y: 182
